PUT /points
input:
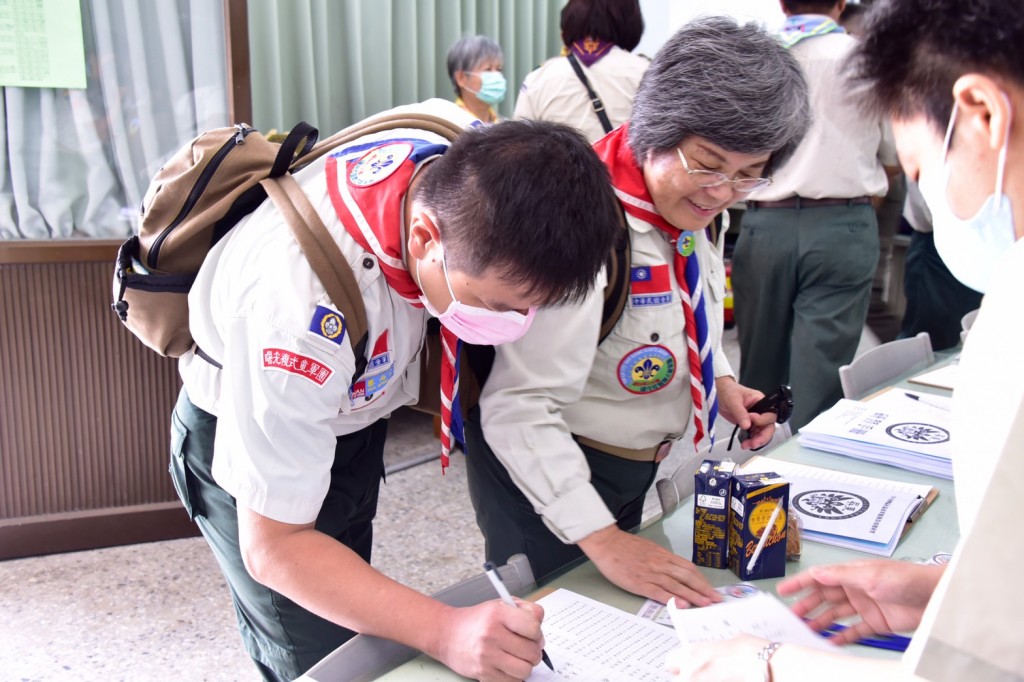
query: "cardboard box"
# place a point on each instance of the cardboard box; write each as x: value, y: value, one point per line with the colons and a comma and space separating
x: 752, y: 503
x: 711, y: 513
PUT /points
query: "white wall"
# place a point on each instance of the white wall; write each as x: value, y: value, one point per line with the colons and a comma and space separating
x: 662, y: 18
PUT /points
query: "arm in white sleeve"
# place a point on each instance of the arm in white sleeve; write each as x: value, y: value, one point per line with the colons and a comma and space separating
x: 521, y: 415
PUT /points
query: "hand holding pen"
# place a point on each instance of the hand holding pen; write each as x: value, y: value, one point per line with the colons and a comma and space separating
x: 499, y: 587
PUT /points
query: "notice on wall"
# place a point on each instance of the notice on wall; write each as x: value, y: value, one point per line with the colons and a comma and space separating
x: 41, y: 44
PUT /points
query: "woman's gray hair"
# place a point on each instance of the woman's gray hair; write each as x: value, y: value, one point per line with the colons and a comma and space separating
x: 467, y: 52
x: 734, y: 85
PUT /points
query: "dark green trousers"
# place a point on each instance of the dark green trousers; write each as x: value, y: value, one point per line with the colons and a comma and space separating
x: 283, y: 639
x: 801, y: 282
x: 507, y: 519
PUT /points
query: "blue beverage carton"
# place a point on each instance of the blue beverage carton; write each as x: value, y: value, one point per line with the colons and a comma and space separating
x: 711, y: 513
x: 752, y: 506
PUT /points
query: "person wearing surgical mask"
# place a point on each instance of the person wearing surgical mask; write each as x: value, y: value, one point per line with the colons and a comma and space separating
x: 474, y: 67
x: 277, y: 449
x: 950, y: 75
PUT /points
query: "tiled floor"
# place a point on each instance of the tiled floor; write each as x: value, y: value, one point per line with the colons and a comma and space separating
x: 161, y: 611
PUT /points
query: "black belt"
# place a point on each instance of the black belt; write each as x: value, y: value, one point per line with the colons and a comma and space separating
x: 801, y: 202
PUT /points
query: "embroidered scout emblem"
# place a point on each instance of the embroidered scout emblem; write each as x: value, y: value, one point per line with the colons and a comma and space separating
x: 374, y: 382
x: 685, y: 243
x: 329, y: 324
x: 649, y: 285
x: 647, y: 369
x: 378, y: 164
x: 295, y: 363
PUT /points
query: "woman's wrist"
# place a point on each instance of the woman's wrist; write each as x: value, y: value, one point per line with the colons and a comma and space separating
x: 765, y: 656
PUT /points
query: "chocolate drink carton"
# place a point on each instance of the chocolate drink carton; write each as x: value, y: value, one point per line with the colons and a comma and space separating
x: 712, y: 483
x: 752, y: 505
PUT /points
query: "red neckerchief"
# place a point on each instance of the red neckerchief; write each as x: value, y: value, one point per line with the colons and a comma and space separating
x: 380, y: 207
x: 631, y: 190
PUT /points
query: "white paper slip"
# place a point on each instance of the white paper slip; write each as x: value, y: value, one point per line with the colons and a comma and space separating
x: 658, y: 612
x: 761, y: 615
x: 900, y: 428
x: 943, y: 377
x: 846, y: 510
x: 588, y: 640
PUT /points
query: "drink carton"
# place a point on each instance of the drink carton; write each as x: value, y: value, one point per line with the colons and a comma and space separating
x: 752, y: 504
x: 711, y: 513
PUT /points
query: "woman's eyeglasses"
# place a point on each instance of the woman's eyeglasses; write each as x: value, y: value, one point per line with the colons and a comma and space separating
x: 706, y: 178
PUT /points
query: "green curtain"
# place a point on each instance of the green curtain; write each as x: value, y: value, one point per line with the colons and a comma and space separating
x: 334, y: 62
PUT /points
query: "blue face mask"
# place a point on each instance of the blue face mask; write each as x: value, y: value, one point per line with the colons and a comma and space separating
x: 492, y: 87
x: 969, y: 247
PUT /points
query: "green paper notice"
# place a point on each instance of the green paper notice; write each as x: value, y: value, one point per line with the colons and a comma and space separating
x: 41, y: 44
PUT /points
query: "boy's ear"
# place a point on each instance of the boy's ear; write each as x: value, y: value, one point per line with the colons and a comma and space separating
x: 423, y: 234
x: 983, y: 109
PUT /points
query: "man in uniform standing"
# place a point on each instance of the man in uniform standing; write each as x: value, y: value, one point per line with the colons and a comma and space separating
x: 808, y: 247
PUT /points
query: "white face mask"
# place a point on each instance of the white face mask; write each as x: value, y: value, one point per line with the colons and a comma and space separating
x: 477, y: 325
x: 970, y: 247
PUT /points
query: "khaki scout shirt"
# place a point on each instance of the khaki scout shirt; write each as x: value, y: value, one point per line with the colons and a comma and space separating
x: 553, y: 92
x: 556, y: 381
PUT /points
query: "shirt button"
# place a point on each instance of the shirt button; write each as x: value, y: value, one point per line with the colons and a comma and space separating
x: 368, y: 263
x: 655, y: 337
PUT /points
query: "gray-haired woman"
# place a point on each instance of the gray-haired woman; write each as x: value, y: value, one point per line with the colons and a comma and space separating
x: 575, y: 429
x: 474, y: 67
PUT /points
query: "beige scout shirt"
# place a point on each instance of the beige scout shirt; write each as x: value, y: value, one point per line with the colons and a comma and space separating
x: 970, y: 630
x: 844, y: 150
x: 279, y: 413
x: 552, y: 92
x: 552, y: 383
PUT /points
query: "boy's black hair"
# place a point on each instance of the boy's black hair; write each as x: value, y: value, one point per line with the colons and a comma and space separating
x: 913, y: 52
x: 530, y: 199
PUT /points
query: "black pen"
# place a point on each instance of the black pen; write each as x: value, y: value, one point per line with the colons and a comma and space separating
x: 925, y: 401
x: 492, y: 573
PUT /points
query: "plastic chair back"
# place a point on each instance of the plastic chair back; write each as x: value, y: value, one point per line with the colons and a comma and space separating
x: 884, y: 363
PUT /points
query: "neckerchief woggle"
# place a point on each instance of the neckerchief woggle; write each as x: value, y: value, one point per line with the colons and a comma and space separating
x: 631, y: 191
x: 368, y: 197
x: 802, y: 26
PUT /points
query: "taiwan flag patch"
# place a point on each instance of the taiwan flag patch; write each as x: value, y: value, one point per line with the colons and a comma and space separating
x: 649, y: 285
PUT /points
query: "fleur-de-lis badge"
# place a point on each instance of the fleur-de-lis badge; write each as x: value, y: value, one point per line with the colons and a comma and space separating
x: 648, y: 369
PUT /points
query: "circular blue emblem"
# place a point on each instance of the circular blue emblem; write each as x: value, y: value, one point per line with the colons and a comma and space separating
x: 378, y: 164
x: 647, y: 369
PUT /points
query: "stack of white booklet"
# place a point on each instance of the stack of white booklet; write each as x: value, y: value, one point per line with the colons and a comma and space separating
x: 900, y: 428
x: 846, y: 510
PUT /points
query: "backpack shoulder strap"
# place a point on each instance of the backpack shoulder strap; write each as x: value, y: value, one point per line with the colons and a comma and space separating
x: 616, y: 291
x: 434, y: 124
x: 324, y: 256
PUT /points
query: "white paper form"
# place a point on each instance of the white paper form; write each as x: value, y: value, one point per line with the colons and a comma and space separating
x: 892, y: 429
x: 846, y: 510
x: 943, y: 377
x: 761, y: 615
x: 592, y: 642
x: 658, y: 612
